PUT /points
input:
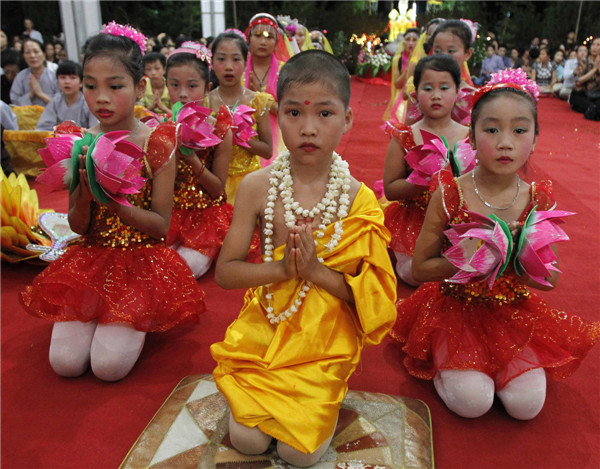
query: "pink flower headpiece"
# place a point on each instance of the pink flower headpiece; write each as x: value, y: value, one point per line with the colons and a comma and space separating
x: 473, y: 27
x: 117, y: 29
x: 514, y: 78
x: 236, y: 31
x: 201, y: 52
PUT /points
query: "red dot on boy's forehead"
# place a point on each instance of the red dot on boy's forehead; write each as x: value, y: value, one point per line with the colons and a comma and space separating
x: 307, y: 102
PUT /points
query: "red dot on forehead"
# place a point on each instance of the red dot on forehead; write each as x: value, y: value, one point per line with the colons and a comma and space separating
x: 307, y: 102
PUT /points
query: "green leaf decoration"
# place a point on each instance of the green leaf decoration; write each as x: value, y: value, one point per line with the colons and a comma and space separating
x: 520, y: 241
x: 509, y: 250
x: 176, y: 107
x: 185, y: 150
x: 375, y: 71
x: 387, y: 66
x: 77, y: 149
x: 89, y: 166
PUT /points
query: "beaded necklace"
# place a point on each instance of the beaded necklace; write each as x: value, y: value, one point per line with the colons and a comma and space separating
x: 282, y: 185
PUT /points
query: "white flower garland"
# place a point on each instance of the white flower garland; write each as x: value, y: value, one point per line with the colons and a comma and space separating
x: 282, y: 185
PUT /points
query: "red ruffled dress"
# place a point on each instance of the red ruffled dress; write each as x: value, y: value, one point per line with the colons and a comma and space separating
x: 199, y: 221
x: 471, y: 327
x: 117, y: 274
x: 404, y: 218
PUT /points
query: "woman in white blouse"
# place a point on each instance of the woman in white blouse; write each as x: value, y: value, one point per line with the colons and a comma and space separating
x: 37, y: 83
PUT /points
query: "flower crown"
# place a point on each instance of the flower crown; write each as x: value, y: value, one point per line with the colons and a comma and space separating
x: 262, y: 18
x: 201, y: 52
x: 236, y: 31
x: 473, y: 27
x: 115, y: 29
x: 514, y: 78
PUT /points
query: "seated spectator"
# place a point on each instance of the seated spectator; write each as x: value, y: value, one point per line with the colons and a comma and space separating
x: 568, y: 77
x: 502, y: 55
x: 69, y: 104
x: 515, y: 58
x: 544, y: 72
x: 491, y: 64
x: 9, y: 61
x: 50, y: 54
x: 559, y: 62
x: 17, y: 43
x: 30, y: 32
x: 156, y: 96
x: 37, y: 83
x: 3, y: 42
x: 585, y: 97
x: 529, y: 58
x: 8, y: 121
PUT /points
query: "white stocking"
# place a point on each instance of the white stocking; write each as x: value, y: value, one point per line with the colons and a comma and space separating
x: 298, y: 458
x: 199, y: 263
x: 404, y: 269
x: 468, y: 393
x: 70, y: 347
x: 115, y: 349
x: 247, y: 440
x: 524, y: 396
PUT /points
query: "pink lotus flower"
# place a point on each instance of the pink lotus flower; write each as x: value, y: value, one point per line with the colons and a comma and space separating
x: 434, y: 154
x: 463, y: 106
x: 57, y: 157
x: 480, y: 249
x: 535, y: 256
x: 196, y: 132
x: 117, y: 165
x: 242, y: 128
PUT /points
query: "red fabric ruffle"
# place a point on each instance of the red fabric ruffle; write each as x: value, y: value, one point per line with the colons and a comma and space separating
x: 405, y: 219
x: 203, y: 230
x: 150, y: 288
x: 438, y: 331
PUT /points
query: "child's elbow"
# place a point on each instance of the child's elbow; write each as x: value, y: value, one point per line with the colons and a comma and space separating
x: 221, y: 277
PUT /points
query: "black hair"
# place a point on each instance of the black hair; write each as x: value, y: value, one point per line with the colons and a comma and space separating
x: 239, y: 40
x: 534, y: 53
x: 315, y: 66
x: 412, y: 30
x: 120, y: 48
x: 491, y: 95
x: 152, y: 57
x: 439, y: 63
x: 30, y: 39
x: 458, y: 28
x: 11, y: 57
x: 68, y: 67
x: 185, y: 58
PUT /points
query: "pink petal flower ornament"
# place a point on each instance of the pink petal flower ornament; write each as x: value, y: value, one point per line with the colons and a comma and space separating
x: 57, y: 157
x: 114, y: 166
x: 481, y: 249
x: 196, y: 132
x: 243, y: 125
x: 535, y: 256
x: 435, y: 154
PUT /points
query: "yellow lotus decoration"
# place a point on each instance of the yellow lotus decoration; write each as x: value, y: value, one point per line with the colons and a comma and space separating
x: 19, y: 218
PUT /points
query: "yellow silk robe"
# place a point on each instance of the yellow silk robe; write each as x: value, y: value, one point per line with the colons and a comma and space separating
x: 290, y: 379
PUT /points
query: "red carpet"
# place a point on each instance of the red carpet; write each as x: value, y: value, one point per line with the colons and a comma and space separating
x: 51, y: 422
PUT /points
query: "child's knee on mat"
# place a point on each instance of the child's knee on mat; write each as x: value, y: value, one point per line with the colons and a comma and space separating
x: 468, y: 393
x: 115, y: 350
x: 247, y: 440
x: 523, y: 397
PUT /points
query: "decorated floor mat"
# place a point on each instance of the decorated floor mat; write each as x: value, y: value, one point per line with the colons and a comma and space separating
x: 190, y: 430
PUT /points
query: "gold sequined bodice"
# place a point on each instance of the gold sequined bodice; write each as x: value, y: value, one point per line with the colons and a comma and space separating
x: 109, y: 230
x: 189, y: 194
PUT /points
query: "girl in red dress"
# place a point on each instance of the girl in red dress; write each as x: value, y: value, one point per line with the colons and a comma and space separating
x: 477, y: 338
x: 119, y: 281
x: 437, y: 79
x: 201, y: 214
